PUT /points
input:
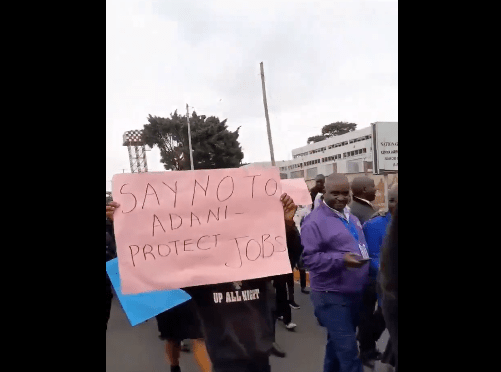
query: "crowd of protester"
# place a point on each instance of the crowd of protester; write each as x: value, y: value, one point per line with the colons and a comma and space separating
x: 348, y: 248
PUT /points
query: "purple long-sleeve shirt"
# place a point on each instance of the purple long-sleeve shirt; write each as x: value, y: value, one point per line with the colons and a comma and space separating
x: 326, y: 239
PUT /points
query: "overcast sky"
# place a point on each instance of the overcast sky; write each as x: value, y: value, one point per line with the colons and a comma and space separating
x: 324, y: 61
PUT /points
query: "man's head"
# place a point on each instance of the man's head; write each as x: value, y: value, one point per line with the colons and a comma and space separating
x: 319, y: 183
x: 337, y: 191
x: 393, y: 198
x: 364, y: 187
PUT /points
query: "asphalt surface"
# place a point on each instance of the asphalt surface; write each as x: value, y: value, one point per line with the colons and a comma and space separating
x: 138, y: 349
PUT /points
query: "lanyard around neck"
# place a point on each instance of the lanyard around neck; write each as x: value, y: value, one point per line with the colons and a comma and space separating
x: 351, y: 228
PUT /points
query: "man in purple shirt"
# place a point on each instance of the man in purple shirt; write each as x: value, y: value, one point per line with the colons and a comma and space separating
x: 335, y: 252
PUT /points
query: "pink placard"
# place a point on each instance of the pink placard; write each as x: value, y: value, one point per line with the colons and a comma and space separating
x: 188, y: 228
x: 297, y: 190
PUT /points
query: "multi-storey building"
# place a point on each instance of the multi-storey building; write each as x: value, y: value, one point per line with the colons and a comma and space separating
x: 347, y: 153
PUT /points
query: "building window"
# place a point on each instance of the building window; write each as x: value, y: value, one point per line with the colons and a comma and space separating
x: 283, y: 176
x: 297, y: 174
x: 364, y: 150
x: 311, y: 173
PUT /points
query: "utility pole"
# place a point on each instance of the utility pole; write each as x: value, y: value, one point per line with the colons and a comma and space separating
x: 267, y: 117
x: 189, y: 137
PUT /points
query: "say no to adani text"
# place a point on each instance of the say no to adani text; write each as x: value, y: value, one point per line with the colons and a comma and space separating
x: 180, y: 229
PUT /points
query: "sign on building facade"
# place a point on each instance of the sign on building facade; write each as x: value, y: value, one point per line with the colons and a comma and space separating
x: 385, y: 147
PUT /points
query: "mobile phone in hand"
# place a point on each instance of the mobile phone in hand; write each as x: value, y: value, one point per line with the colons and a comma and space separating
x: 359, y: 258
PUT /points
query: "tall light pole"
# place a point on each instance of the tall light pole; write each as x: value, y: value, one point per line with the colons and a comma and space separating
x: 267, y: 117
x: 189, y: 137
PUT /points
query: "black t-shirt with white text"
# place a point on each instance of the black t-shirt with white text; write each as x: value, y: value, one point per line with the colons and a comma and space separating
x: 237, y: 319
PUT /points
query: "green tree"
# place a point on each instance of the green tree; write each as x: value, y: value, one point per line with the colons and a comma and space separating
x: 214, y: 146
x: 316, y: 139
x: 338, y: 128
x: 334, y: 129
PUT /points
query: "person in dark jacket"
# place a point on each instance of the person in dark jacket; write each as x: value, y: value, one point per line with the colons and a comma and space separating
x: 284, y: 284
x: 388, y: 283
x: 295, y: 251
x: 317, y: 189
x: 364, y: 193
x: 373, y: 325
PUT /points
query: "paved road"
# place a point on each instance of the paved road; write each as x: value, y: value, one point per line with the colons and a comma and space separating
x: 138, y: 349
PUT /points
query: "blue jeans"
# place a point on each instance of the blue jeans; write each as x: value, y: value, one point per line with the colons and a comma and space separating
x: 339, y: 314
